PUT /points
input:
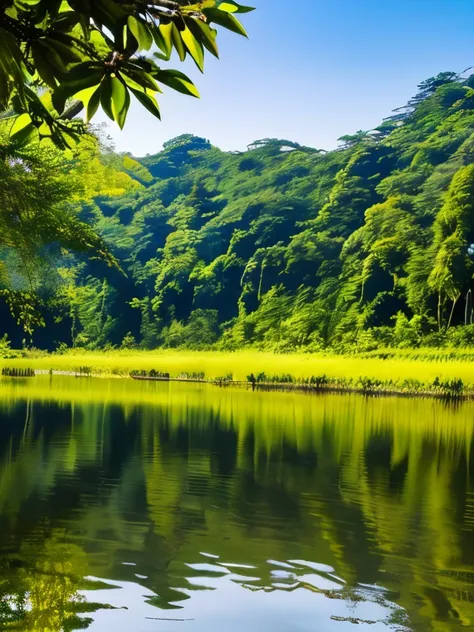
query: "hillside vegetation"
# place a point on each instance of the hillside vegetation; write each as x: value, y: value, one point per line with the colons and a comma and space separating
x: 283, y: 247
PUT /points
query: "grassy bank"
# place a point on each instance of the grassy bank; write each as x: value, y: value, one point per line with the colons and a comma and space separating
x: 395, y: 368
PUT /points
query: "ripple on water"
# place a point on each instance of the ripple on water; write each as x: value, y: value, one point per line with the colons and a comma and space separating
x: 222, y: 601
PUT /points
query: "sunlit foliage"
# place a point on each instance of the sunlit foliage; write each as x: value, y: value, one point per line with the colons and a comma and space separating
x: 57, y: 58
x: 283, y: 247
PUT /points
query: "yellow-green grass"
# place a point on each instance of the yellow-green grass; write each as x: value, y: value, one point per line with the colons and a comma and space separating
x: 443, y: 354
x: 242, y: 363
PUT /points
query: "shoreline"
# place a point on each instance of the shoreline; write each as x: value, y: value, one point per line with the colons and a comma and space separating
x: 375, y: 390
x: 403, y: 376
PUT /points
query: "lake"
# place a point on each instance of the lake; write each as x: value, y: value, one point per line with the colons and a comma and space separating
x: 153, y: 507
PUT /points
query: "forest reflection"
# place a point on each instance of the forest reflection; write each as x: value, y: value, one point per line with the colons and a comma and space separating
x: 174, y: 488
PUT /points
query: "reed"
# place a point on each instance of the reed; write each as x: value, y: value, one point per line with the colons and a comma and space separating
x: 407, y: 371
x: 17, y: 372
x: 444, y: 389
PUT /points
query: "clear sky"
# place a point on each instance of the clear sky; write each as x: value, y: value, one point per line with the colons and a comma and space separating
x: 312, y: 71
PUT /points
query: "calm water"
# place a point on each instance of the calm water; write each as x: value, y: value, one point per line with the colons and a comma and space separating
x: 141, y: 506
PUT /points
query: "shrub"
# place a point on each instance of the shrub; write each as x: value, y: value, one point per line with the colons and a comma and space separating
x: 5, y: 350
x: 128, y: 341
x: 462, y: 336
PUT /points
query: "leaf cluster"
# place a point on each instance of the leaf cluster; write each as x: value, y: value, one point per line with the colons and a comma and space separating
x: 99, y: 54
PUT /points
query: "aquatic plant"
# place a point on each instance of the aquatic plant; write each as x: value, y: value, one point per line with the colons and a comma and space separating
x: 15, y: 372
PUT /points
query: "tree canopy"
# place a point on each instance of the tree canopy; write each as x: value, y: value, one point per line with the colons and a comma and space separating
x: 280, y: 247
x: 98, y: 55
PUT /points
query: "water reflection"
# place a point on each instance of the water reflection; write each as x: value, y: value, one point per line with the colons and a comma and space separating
x: 125, y: 504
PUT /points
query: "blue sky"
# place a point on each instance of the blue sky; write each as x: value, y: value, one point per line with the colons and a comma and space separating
x: 311, y: 71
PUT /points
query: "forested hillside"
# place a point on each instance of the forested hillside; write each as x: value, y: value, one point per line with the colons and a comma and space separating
x: 284, y: 247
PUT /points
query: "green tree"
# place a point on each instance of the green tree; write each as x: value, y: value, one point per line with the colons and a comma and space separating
x: 285, y: 246
x: 95, y: 53
x: 454, y: 230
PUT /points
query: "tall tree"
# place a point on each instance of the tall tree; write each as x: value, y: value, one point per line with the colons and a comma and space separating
x: 454, y: 231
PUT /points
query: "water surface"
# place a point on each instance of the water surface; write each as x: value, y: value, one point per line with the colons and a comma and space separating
x: 144, y: 506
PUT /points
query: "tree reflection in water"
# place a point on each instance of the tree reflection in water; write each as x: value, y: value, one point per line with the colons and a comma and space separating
x: 362, y: 505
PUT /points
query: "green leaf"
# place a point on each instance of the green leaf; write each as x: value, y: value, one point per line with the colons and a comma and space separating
x: 161, y: 43
x: 68, y: 135
x: 178, y: 42
x: 85, y: 26
x: 77, y: 82
x: 106, y: 12
x: 86, y: 95
x: 101, y: 44
x: 20, y: 123
x: 131, y: 83
x: 166, y: 31
x: 42, y: 66
x: 194, y: 47
x: 45, y: 130
x: 205, y: 34
x: 161, y: 56
x: 149, y: 102
x: 25, y: 136
x: 65, y: 49
x: 234, y: 7
x: 125, y: 35
x: 52, y: 58
x: 229, y: 7
x: 120, y: 101
x: 11, y: 65
x: 226, y: 20
x: 66, y: 21
x: 140, y: 32
x: 85, y: 70
x: 178, y: 81
x: 141, y: 77
x: 106, y: 96
x: 38, y: 107
x: 93, y: 105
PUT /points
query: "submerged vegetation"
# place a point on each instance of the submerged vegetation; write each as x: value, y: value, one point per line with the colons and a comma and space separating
x: 282, y: 247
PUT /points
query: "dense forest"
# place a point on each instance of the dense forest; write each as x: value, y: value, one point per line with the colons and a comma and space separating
x: 283, y: 246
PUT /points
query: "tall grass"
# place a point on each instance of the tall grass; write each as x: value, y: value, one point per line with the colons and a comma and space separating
x: 419, y: 365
